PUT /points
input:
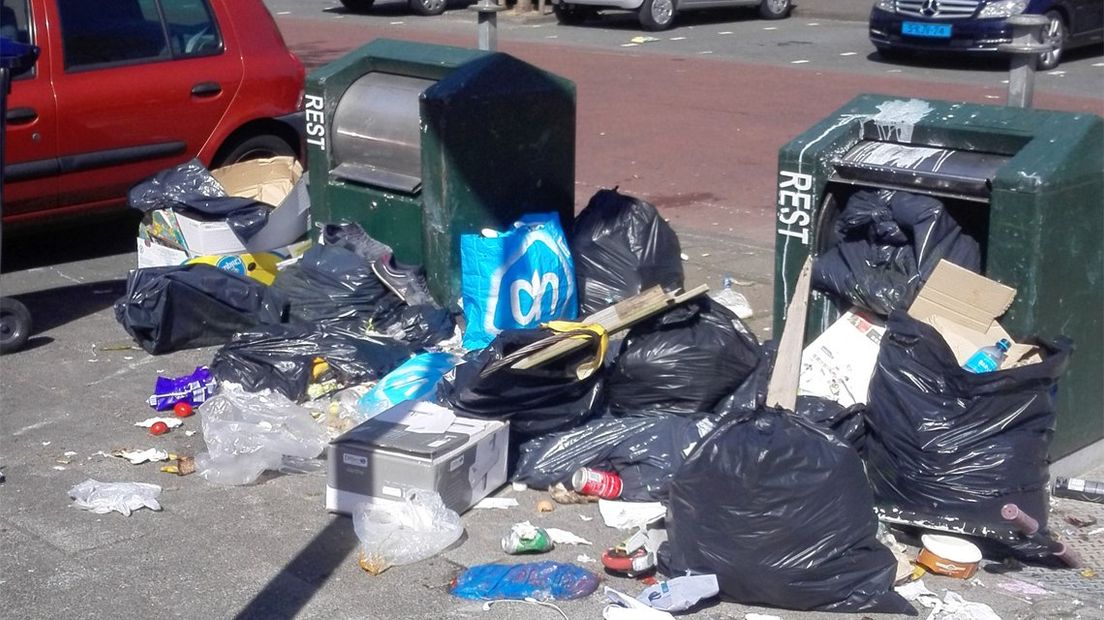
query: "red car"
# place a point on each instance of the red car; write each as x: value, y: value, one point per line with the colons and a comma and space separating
x: 125, y: 88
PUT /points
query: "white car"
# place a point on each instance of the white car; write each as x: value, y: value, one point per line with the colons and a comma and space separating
x: 660, y: 14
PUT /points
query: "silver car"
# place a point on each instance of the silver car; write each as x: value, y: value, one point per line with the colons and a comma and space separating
x: 660, y: 14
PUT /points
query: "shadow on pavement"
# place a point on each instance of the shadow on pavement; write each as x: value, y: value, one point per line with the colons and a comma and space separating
x: 285, y: 595
x: 65, y: 242
x: 54, y: 307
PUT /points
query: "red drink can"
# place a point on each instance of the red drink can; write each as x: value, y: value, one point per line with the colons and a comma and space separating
x: 604, y: 484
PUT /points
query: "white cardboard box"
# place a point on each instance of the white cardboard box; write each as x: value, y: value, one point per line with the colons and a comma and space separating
x: 278, y: 181
x: 380, y: 461
x: 838, y: 365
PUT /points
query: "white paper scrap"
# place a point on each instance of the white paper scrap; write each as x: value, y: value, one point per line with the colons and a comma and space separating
x: 170, y: 422
x: 630, y: 515
x: 564, y: 537
x: 496, y: 502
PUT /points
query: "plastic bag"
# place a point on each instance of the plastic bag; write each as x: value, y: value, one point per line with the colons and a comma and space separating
x: 644, y: 450
x: 171, y: 308
x: 683, y: 361
x: 415, y: 379
x: 889, y: 244
x: 421, y: 326
x: 518, y: 279
x: 123, y: 497
x: 396, y: 533
x: 284, y: 358
x: 542, y: 581
x: 540, y: 400
x: 622, y: 247
x: 332, y: 284
x: 781, y: 512
x: 190, y: 187
x: 249, y: 432
x: 946, y: 443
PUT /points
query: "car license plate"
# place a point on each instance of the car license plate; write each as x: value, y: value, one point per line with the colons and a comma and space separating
x: 934, y: 31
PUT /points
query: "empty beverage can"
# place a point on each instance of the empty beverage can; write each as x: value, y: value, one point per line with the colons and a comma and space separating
x: 604, y: 484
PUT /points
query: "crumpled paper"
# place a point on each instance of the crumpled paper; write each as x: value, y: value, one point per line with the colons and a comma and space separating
x: 123, y: 497
x: 952, y: 607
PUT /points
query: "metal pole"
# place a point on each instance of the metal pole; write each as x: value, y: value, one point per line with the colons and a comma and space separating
x: 1027, y: 44
x: 487, y: 23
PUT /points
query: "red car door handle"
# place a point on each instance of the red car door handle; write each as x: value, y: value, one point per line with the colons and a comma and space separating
x: 206, y: 89
x: 20, y: 116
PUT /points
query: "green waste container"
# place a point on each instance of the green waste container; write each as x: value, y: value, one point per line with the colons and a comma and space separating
x: 422, y: 143
x: 1026, y: 183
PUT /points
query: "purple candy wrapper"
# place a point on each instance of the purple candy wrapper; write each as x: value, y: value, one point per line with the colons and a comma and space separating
x: 192, y: 389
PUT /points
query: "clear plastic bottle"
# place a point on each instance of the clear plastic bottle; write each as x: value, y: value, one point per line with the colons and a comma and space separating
x: 988, y: 359
x: 733, y: 300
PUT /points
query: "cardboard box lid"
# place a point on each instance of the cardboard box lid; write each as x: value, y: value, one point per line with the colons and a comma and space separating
x: 961, y: 296
x: 267, y: 180
x: 390, y: 435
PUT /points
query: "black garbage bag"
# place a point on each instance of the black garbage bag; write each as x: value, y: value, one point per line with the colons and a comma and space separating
x: 281, y: 357
x: 545, y: 399
x: 780, y: 510
x: 621, y: 247
x: 333, y: 284
x: 190, y: 187
x: 645, y: 450
x: 171, y: 308
x: 683, y: 361
x: 889, y: 244
x: 946, y: 443
x: 421, y: 326
x: 846, y: 423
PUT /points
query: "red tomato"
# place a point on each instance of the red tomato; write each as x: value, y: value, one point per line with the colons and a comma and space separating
x: 182, y: 409
x: 159, y: 428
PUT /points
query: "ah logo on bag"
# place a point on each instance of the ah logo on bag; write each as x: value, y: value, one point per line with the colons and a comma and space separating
x: 531, y: 276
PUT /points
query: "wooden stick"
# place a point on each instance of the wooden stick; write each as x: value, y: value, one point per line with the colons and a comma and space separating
x: 620, y: 316
x: 782, y: 389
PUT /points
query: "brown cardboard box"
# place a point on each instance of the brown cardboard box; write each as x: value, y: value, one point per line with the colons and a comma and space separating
x: 964, y: 307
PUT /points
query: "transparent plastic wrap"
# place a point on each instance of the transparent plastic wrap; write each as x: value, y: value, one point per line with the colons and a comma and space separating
x: 191, y: 187
x: 683, y: 361
x: 249, y: 432
x: 621, y: 247
x: 545, y: 399
x: 644, y: 450
x: 889, y: 242
x: 172, y: 308
x: 945, y: 443
x: 122, y: 497
x: 780, y: 510
x: 285, y: 358
x: 415, y: 379
x: 395, y: 533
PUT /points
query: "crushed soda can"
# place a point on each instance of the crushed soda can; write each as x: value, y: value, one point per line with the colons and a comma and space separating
x: 193, y: 389
x: 527, y: 538
x: 603, y: 484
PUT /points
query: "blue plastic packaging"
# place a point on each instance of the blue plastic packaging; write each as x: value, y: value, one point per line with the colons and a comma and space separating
x: 517, y: 279
x: 415, y: 379
x: 542, y: 581
x: 193, y: 389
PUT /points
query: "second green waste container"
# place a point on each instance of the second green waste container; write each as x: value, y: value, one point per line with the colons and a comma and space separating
x: 1028, y: 184
x: 422, y: 143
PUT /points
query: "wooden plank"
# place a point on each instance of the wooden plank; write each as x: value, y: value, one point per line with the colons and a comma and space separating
x: 620, y: 316
x: 782, y: 389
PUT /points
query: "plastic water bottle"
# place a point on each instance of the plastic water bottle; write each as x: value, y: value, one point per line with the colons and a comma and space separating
x: 733, y: 300
x: 988, y: 359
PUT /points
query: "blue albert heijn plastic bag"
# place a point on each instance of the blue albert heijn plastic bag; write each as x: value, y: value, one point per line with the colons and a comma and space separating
x: 516, y: 280
x: 414, y: 379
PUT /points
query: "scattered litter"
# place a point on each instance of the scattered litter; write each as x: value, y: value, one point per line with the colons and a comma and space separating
x: 643, y: 39
x: 398, y: 23
x: 1096, y: 531
x: 583, y: 558
x: 706, y: 52
x: 541, y: 581
x: 1058, y: 73
x: 798, y: 62
x: 680, y: 593
x: 586, y: 518
x: 706, y: 255
x: 1081, y: 520
x: 158, y: 428
x: 684, y: 257
x: 182, y: 466
x: 771, y: 28
x: 564, y: 537
x: 525, y: 537
x: 519, y: 486
x: 624, y: 607
x: 137, y: 457
x: 630, y: 515
x: 677, y: 39
x: 813, y: 24
x: 725, y: 32
x: 848, y: 53
x: 502, y: 503
x: 189, y: 433
x: 46, y: 443
x: 952, y: 607
x: 894, y: 71
x: 69, y: 453
x: 629, y: 45
x: 169, y: 422
x: 123, y: 497
x: 59, y: 467
x: 398, y: 533
x: 545, y: 506
x: 1018, y: 586
x: 752, y: 616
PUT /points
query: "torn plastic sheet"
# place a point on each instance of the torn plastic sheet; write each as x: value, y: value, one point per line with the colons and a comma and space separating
x: 122, y: 497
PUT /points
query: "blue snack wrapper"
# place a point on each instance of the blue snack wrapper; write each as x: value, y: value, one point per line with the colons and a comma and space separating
x: 193, y: 389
